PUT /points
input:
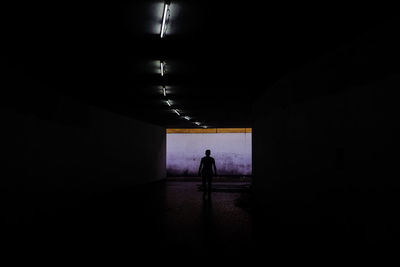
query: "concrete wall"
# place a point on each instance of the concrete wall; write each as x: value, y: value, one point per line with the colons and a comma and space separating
x: 231, y: 151
x: 325, y: 147
x: 67, y: 145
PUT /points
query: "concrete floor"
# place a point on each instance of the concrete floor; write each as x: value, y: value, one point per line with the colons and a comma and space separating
x: 211, y: 225
x: 168, y: 220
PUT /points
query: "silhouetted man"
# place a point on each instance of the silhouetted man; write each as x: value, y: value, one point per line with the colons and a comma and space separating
x: 207, y: 165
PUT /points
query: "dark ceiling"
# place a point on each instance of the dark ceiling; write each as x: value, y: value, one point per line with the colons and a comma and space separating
x: 220, y: 55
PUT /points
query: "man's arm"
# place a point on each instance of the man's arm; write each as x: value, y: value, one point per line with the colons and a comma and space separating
x: 201, y: 165
x: 215, y: 168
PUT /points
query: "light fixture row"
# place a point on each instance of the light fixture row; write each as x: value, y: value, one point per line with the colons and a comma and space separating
x: 163, y: 30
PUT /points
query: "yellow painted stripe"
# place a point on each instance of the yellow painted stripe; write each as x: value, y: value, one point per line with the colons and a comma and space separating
x: 231, y: 130
x: 211, y: 130
x: 208, y: 130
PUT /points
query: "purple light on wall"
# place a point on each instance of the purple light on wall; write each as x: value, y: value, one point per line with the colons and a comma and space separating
x: 231, y: 151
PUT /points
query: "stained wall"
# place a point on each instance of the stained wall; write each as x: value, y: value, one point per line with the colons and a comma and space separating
x: 231, y: 151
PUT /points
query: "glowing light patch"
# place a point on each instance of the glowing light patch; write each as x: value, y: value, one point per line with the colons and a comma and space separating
x: 164, y: 91
x: 177, y: 112
x: 197, y: 123
x: 169, y: 103
x: 187, y: 118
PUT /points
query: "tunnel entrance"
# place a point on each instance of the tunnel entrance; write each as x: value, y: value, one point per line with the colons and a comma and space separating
x: 230, y: 147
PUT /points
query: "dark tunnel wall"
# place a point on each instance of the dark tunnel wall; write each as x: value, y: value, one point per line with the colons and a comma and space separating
x: 326, y: 150
x: 63, y: 144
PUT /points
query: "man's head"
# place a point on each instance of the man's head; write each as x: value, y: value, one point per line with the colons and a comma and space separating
x: 208, y: 152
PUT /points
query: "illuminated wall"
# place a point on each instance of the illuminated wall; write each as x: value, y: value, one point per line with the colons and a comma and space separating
x: 231, y: 149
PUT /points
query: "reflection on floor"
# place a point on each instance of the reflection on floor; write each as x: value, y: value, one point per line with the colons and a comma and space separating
x: 212, y: 225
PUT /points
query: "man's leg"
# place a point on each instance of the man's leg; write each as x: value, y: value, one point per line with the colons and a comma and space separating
x: 204, y: 179
x: 209, y: 179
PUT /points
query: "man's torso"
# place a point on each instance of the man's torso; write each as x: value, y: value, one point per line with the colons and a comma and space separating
x: 208, y: 163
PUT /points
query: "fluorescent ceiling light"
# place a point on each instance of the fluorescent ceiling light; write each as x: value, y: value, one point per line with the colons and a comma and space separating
x: 187, y: 118
x: 176, y: 111
x: 164, y: 19
x: 162, y: 67
x: 164, y: 91
x: 169, y: 103
x: 197, y: 123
